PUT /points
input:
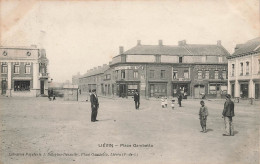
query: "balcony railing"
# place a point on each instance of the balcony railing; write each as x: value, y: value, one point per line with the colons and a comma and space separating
x: 44, y: 75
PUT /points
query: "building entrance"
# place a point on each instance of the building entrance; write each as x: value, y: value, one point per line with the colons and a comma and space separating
x: 3, y: 86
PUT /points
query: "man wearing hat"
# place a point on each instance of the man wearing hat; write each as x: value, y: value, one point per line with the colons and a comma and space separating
x: 94, y: 105
x: 227, y: 114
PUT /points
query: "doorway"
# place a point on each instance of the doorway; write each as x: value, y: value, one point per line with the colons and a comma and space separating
x: 42, y: 87
x: 3, y: 86
x: 122, y: 90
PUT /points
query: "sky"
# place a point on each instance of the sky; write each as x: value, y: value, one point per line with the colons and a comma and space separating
x: 80, y: 35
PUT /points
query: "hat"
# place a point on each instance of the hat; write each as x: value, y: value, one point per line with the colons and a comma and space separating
x: 93, y: 90
x: 228, y: 96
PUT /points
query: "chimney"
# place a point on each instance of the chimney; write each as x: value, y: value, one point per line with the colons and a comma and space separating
x: 182, y: 43
x: 160, y: 42
x: 139, y: 42
x: 219, y: 42
x: 121, y: 50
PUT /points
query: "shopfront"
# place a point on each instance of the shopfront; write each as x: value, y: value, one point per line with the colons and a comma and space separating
x: 181, y: 88
x: 244, y: 89
x: 158, y: 89
x: 127, y: 89
x: 217, y: 90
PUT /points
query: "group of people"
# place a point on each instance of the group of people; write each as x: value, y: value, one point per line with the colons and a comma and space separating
x: 227, y: 114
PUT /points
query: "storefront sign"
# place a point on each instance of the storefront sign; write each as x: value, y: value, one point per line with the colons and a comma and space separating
x: 129, y: 67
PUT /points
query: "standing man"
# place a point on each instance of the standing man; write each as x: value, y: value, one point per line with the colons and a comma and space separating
x: 179, y: 99
x: 227, y: 114
x: 137, y: 99
x: 94, y: 105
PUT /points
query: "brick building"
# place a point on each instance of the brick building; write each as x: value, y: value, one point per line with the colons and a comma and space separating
x: 244, y: 70
x: 23, y: 71
x: 163, y: 70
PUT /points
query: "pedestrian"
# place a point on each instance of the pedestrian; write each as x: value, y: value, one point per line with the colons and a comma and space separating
x: 179, y: 99
x: 94, y: 105
x: 172, y: 104
x: 227, y: 114
x: 165, y: 102
x: 203, y: 114
x: 137, y: 100
x: 53, y: 94
x: 49, y: 94
x: 162, y: 102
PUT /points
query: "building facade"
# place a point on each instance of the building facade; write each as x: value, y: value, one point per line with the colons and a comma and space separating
x: 23, y: 71
x: 244, y: 70
x: 161, y: 70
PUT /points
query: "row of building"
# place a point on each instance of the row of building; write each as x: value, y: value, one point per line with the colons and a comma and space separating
x: 193, y: 70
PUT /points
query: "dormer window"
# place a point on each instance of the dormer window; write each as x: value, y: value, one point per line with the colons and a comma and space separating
x: 180, y: 59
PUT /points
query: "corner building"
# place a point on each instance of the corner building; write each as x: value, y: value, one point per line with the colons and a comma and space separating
x: 244, y: 70
x: 163, y: 70
x: 23, y: 71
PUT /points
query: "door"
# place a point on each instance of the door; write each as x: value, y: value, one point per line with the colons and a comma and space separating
x: 42, y: 87
x: 233, y: 90
x: 198, y: 91
x: 257, y: 91
x: 122, y: 90
x: 3, y: 86
x: 218, y: 91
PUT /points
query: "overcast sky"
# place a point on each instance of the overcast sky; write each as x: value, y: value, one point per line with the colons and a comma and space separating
x: 80, y: 35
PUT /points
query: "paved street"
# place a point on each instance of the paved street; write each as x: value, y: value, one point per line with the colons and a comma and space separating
x: 35, y: 130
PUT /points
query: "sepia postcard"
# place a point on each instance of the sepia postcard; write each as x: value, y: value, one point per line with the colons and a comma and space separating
x: 129, y: 82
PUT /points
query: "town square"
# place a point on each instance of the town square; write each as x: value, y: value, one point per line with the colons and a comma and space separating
x: 61, y: 132
x: 118, y: 82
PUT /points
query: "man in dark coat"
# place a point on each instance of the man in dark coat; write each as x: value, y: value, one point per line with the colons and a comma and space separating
x: 227, y: 114
x: 137, y: 100
x: 94, y: 105
x: 179, y: 99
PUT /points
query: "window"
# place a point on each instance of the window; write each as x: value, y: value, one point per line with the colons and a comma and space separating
x: 135, y: 74
x: 247, y: 68
x: 16, y: 67
x: 220, y: 59
x: 206, y: 74
x: 186, y: 74
x: 233, y: 70
x: 241, y: 69
x: 199, y: 74
x: 122, y: 74
x: 116, y: 74
x: 175, y: 75
x: 27, y: 68
x: 107, y: 77
x: 216, y: 74
x: 158, y: 58
x: 151, y: 73
x: 4, y: 67
x: 180, y: 59
x: 203, y: 59
x: 162, y: 73
x: 224, y: 74
x: 22, y: 85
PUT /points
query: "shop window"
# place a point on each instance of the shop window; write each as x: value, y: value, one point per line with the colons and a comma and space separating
x: 216, y: 74
x: 199, y: 74
x: 16, y: 67
x: 206, y: 74
x: 4, y: 67
x: 151, y: 73
x: 247, y: 68
x: 212, y: 89
x: 175, y: 75
x: 162, y: 73
x: 135, y: 74
x: 27, y: 68
x: 241, y: 69
x: 122, y: 74
x: 21, y: 85
x: 233, y: 70
x: 186, y: 74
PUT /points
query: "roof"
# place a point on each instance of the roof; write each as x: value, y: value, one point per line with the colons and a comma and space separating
x: 96, y: 71
x: 187, y: 49
x: 250, y: 46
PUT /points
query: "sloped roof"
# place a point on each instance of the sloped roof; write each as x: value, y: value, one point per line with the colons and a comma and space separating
x: 187, y: 49
x: 96, y: 71
x: 250, y: 46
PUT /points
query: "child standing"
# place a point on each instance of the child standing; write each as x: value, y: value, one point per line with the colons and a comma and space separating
x: 172, y: 104
x: 203, y: 113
